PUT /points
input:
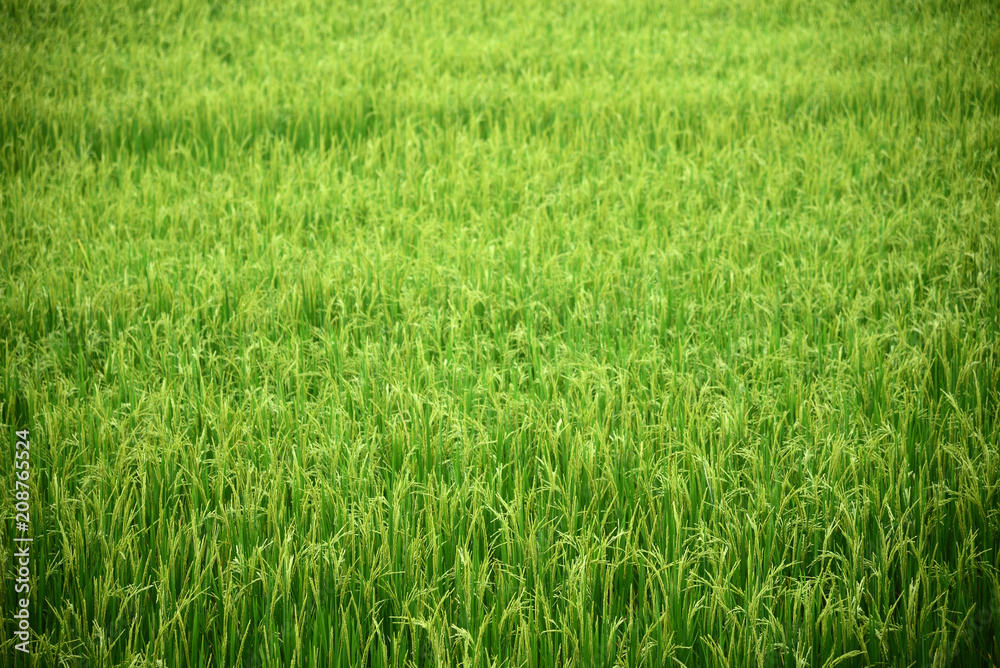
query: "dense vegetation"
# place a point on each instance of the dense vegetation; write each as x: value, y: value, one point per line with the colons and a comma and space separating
x: 503, y: 333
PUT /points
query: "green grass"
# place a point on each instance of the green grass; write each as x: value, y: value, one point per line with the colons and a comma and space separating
x: 503, y: 334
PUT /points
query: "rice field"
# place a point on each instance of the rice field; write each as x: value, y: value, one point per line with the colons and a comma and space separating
x: 522, y: 333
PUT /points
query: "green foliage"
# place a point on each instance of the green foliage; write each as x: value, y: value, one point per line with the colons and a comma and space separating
x: 504, y: 334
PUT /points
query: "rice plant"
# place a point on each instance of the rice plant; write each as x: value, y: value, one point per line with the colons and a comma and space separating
x: 515, y: 333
